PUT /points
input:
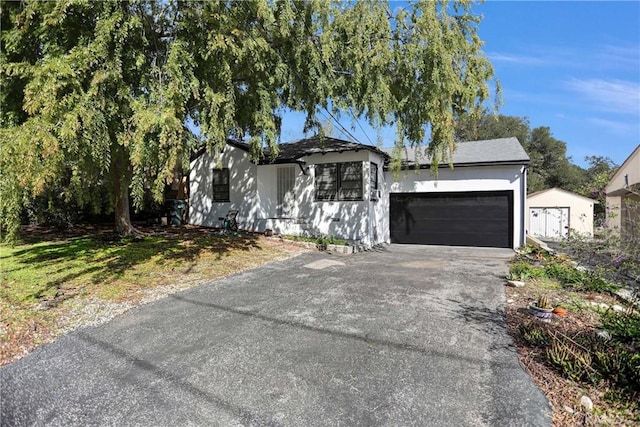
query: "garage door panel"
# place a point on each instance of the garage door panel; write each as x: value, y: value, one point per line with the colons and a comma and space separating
x: 445, y: 225
x: 458, y: 219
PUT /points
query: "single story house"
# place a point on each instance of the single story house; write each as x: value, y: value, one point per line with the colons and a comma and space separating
x: 334, y: 187
x: 623, y: 197
x: 551, y: 213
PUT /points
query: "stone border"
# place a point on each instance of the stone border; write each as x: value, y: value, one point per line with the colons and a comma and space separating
x: 339, y: 249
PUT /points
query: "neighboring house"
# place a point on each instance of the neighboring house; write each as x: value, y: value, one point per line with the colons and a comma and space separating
x: 623, y: 197
x: 340, y: 188
x: 551, y: 213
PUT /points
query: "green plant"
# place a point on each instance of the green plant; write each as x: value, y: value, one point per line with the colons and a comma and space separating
x: 623, y: 326
x: 566, y: 274
x: 523, y: 269
x: 516, y: 276
x: 620, y: 368
x: 573, y: 360
x: 543, y: 302
x: 595, y: 282
x: 324, y: 241
x: 534, y: 335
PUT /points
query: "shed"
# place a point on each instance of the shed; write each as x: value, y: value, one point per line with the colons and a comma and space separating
x: 553, y: 212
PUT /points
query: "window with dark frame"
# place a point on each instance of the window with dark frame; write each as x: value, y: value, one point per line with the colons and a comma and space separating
x: 221, y: 185
x: 373, y: 181
x: 338, y: 181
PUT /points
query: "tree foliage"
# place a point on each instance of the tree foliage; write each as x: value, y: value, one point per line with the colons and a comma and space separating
x: 598, y: 174
x: 550, y: 166
x: 96, y: 96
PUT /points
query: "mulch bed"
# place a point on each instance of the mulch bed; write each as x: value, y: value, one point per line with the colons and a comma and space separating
x: 564, y: 394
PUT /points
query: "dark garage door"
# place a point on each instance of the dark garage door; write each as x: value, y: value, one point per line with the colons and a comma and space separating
x: 478, y: 218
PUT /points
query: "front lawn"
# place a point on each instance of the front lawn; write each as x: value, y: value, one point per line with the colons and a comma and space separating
x: 51, y: 283
x: 593, y: 351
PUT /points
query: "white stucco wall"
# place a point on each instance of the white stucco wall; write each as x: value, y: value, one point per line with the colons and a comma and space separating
x: 254, y: 191
x: 580, y: 208
x: 463, y: 179
x: 242, y: 189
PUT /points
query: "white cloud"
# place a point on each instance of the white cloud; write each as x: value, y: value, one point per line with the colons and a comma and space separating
x: 613, y: 126
x: 596, y: 57
x: 516, y: 59
x: 618, y: 56
x: 618, y: 96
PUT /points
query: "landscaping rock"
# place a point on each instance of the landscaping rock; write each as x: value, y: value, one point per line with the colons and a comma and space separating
x: 569, y: 409
x: 599, y: 305
x: 515, y: 283
x: 604, y: 335
x: 586, y: 403
x: 617, y: 307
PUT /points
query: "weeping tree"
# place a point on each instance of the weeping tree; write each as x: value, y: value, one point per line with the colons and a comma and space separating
x: 100, y: 99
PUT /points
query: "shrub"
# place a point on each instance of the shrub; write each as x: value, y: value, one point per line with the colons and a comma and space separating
x: 620, y: 368
x: 595, y: 282
x: 624, y: 327
x: 567, y: 275
x: 524, y: 270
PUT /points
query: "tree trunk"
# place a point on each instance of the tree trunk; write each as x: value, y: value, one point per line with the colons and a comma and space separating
x: 121, y: 181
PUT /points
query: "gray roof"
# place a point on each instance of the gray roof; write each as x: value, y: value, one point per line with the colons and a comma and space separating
x: 487, y: 152
x: 293, y: 151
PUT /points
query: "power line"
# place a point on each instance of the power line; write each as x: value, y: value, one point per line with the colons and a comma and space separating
x: 349, y: 110
x: 344, y: 130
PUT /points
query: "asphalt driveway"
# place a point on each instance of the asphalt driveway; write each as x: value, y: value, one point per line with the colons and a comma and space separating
x: 407, y: 335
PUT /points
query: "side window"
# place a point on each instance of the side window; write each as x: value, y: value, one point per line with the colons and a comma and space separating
x: 373, y: 181
x: 221, y: 185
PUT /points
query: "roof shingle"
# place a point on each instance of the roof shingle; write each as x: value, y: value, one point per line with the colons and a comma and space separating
x: 491, y: 151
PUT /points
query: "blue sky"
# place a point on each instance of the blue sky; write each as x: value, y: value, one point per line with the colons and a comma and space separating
x: 573, y: 66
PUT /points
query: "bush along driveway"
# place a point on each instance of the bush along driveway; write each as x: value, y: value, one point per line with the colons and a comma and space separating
x: 407, y: 335
x: 587, y: 359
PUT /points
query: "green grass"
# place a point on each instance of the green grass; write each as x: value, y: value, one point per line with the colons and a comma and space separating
x: 322, y: 240
x: 40, y: 280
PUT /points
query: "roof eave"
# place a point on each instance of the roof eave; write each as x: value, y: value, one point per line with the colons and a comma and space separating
x: 407, y: 165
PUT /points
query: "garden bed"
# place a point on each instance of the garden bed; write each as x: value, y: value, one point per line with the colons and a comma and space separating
x: 592, y: 352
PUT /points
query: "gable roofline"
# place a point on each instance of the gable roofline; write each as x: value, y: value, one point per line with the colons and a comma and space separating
x: 546, y: 190
x: 622, y: 166
x: 237, y: 144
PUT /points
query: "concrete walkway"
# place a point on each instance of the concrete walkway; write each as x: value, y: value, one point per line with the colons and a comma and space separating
x: 406, y: 335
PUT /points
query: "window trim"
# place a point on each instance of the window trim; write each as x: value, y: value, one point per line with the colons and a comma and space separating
x: 217, y: 187
x: 374, y: 183
x: 336, y: 194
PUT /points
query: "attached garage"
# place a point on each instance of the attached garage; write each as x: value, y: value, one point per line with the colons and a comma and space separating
x: 480, y: 218
x: 480, y: 202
